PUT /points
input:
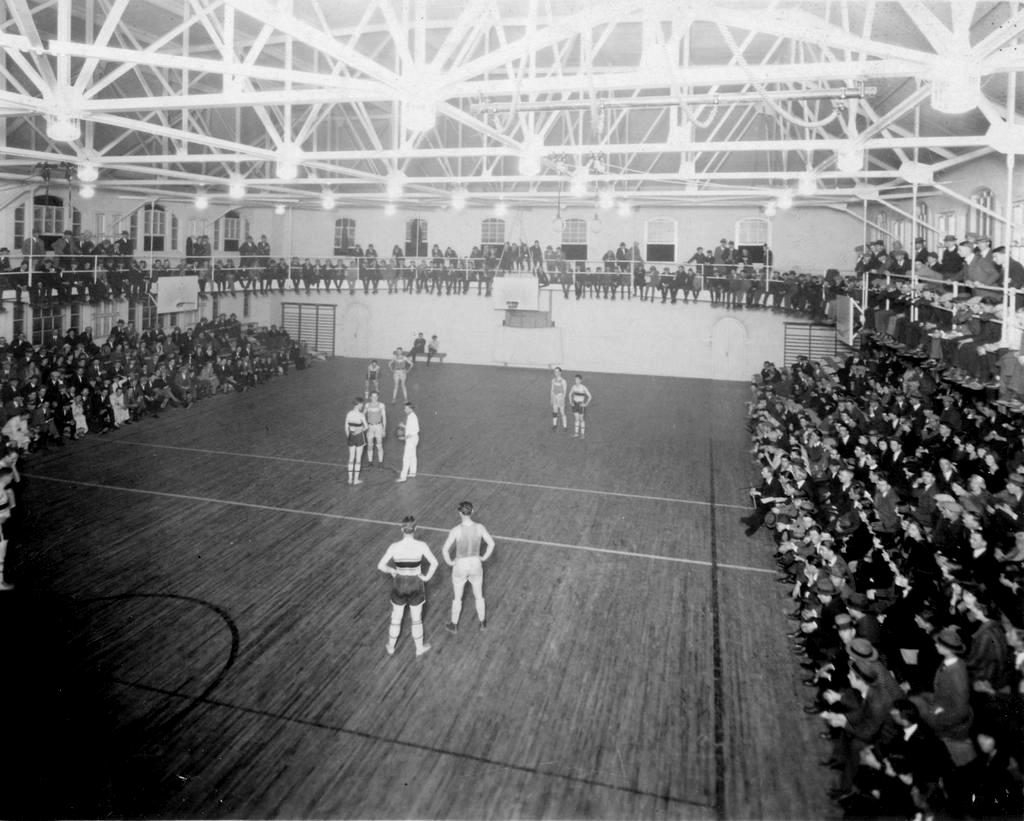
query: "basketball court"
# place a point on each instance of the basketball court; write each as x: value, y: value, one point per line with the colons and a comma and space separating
x: 199, y: 624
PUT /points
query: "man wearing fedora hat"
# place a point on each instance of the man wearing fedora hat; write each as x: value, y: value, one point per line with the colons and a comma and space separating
x: 950, y: 261
x: 947, y: 708
x: 921, y: 251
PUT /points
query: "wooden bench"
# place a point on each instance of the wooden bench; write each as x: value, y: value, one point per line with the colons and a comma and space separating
x: 419, y: 358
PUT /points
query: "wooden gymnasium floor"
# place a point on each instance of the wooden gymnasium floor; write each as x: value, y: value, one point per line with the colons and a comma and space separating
x: 198, y: 627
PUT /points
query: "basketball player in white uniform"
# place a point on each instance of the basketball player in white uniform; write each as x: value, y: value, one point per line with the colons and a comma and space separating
x: 355, y: 435
x: 558, y: 390
x: 403, y: 561
x: 579, y: 398
x: 400, y: 366
x: 467, y: 566
x: 376, y: 415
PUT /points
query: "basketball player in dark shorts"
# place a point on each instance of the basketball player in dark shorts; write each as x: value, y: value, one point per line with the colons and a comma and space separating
x: 355, y: 436
x: 579, y: 398
x: 403, y: 561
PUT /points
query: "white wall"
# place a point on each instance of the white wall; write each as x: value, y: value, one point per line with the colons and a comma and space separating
x: 796, y: 234
x: 682, y: 340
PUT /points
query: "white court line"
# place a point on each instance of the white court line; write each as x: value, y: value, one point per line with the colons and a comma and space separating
x: 435, y: 475
x: 275, y: 509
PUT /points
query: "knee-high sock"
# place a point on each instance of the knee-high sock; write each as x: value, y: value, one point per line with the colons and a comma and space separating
x: 394, y: 628
x: 417, y: 634
x: 456, y: 610
x: 481, y: 610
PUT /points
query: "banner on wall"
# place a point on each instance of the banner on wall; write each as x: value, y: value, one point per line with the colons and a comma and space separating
x: 177, y: 294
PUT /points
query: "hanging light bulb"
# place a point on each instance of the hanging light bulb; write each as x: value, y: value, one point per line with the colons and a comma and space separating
x: 770, y: 210
x: 236, y: 190
x: 327, y: 200
x: 63, y: 128
x: 850, y: 158
x: 459, y: 199
x: 530, y: 158
x: 500, y: 209
x: 578, y: 183
x: 785, y: 200
x: 395, y: 185
x: 280, y: 210
x: 202, y: 202
x: 956, y: 83
x: 289, y: 157
x: 87, y: 191
x: 807, y: 185
x: 88, y: 172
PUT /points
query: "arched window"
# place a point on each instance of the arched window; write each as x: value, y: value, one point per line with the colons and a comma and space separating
x: 416, y: 238
x: 661, y: 240
x: 154, y: 227
x: 344, y: 236
x: 492, y: 235
x: 977, y: 220
x: 752, y: 235
x: 574, y: 239
x: 232, y: 225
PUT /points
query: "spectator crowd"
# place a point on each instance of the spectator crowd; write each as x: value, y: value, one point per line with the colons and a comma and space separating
x: 895, y: 501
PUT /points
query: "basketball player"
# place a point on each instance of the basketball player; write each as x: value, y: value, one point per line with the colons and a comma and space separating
x: 400, y: 366
x: 467, y: 566
x: 403, y: 561
x: 355, y: 433
x: 412, y: 438
x: 558, y: 389
x: 372, y: 378
x: 377, y: 424
x: 579, y: 398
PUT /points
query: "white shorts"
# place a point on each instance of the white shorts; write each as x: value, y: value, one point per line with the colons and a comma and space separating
x: 375, y: 433
x: 468, y: 569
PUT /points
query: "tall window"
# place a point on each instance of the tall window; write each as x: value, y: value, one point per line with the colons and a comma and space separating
x: 46, y: 319
x: 48, y: 216
x: 947, y: 223
x: 1017, y: 241
x: 923, y: 222
x: 416, y: 238
x: 574, y: 239
x: 148, y: 318
x: 661, y: 240
x: 154, y: 227
x: 978, y: 221
x: 19, y: 226
x: 881, y: 228
x: 752, y: 234
x: 174, y: 232
x: 901, y: 231
x: 492, y: 235
x: 232, y: 221
x: 344, y: 235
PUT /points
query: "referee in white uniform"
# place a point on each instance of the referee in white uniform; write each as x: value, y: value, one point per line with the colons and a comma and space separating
x: 412, y: 439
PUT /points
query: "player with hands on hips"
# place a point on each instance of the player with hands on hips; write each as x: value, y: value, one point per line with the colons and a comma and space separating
x: 403, y: 561
x: 467, y: 565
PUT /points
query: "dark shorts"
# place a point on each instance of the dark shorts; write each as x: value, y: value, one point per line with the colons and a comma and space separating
x: 408, y: 590
x: 578, y: 407
x: 356, y: 440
